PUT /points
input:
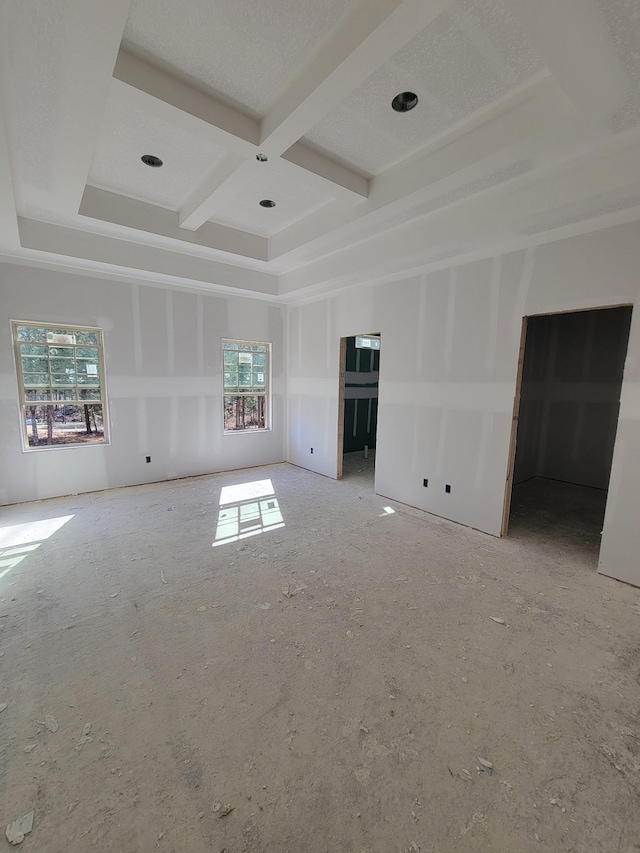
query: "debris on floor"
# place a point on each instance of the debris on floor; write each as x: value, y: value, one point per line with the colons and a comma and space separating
x: 289, y: 593
x: 365, y: 712
x: 3, y: 706
x: 17, y: 830
x: 485, y: 765
x: 225, y: 810
x: 497, y: 619
x: 51, y: 723
x: 85, y: 737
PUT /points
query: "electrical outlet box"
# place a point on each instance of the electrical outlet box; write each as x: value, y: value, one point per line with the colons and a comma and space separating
x: 147, y: 459
x: 312, y: 450
x: 425, y: 483
x: 447, y: 489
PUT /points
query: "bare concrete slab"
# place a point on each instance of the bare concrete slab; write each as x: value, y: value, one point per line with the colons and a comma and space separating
x: 383, y: 707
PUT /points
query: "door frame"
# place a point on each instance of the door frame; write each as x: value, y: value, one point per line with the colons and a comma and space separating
x: 506, y: 510
x: 342, y: 378
x: 342, y: 372
x: 515, y: 417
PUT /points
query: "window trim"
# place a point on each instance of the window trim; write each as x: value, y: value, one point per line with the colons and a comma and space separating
x: 22, y: 403
x: 267, y: 393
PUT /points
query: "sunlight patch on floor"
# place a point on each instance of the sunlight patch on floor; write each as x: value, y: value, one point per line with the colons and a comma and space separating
x: 247, y: 509
x: 18, y: 540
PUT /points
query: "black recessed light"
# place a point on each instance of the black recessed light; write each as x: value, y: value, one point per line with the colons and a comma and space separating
x: 261, y: 158
x: 266, y: 202
x: 151, y: 160
x: 404, y: 102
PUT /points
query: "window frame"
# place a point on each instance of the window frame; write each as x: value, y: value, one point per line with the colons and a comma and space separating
x: 266, y: 393
x: 23, y: 403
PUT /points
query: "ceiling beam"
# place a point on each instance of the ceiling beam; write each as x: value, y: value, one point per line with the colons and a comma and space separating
x: 159, y: 221
x: 216, y: 190
x: 92, y: 33
x: 179, y: 103
x: 126, y: 255
x: 372, y: 33
x: 9, y: 236
x: 328, y: 175
x: 150, y: 90
x: 494, y: 217
x: 442, y: 166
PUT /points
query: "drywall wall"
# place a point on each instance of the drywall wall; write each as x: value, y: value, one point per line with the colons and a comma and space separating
x: 360, y: 397
x: 572, y: 376
x: 448, y: 377
x: 163, y: 372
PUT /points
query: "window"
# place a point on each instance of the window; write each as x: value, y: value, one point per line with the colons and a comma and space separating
x: 60, y: 384
x: 246, y: 385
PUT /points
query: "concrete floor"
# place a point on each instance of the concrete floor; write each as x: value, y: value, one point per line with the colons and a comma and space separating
x: 334, y: 681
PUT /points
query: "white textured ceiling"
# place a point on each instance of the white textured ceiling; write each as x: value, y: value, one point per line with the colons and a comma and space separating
x: 467, y: 58
x: 622, y: 19
x: 272, y: 181
x: 244, y: 50
x: 528, y: 123
x: 127, y: 134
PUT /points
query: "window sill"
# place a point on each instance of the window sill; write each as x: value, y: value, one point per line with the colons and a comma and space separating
x: 246, y: 431
x: 46, y: 447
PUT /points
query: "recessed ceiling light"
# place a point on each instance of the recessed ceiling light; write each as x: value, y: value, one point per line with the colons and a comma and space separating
x: 266, y: 202
x: 261, y: 158
x: 151, y: 160
x: 404, y: 102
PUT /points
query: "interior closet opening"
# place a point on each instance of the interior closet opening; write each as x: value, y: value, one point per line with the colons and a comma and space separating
x: 565, y: 422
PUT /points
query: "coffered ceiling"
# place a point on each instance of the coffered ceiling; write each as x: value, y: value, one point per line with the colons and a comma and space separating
x: 527, y: 128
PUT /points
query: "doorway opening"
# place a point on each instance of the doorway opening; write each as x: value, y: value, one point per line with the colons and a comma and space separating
x: 564, y: 427
x: 358, y: 407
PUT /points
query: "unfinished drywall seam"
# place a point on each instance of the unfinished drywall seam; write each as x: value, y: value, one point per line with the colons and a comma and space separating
x: 422, y: 310
x: 137, y: 327
x: 442, y: 439
x: 200, y: 335
x: 329, y: 332
x: 494, y: 313
x: 203, y: 432
x: 143, y: 426
x: 171, y: 351
x: 519, y: 309
x: 173, y: 428
x: 451, y: 312
x: 483, y: 451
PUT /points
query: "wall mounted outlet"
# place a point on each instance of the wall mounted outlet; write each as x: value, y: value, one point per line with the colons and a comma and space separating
x: 425, y: 483
x: 147, y: 459
x: 447, y: 489
x: 312, y: 450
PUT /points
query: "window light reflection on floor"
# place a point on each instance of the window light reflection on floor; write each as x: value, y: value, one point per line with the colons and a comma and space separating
x: 247, y: 509
x: 17, y: 541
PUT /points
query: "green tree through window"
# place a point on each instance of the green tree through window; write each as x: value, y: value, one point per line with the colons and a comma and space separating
x: 246, y: 385
x: 60, y: 384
